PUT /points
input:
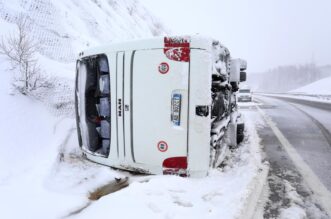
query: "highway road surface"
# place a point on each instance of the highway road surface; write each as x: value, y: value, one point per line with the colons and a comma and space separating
x: 295, y: 136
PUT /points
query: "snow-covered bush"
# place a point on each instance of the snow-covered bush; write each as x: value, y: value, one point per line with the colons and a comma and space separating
x: 21, y: 49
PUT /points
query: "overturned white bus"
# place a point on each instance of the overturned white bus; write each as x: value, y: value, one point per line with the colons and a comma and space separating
x: 158, y: 106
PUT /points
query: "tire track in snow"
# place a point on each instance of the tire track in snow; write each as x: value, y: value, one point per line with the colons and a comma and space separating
x: 109, y: 188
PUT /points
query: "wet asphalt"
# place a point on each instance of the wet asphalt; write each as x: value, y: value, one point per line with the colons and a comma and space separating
x: 307, y: 127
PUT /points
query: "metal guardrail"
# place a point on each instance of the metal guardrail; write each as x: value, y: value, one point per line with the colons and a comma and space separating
x: 312, y: 103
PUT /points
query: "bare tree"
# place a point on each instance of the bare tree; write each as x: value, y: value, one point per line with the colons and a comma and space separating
x: 21, y: 50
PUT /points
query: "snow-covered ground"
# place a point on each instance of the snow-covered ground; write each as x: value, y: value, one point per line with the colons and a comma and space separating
x: 44, y: 176
x: 249, y: 104
x: 319, y: 91
x: 308, y: 97
x: 223, y: 194
x: 42, y: 172
x: 31, y: 141
x: 65, y: 28
x: 320, y: 87
x: 295, y: 210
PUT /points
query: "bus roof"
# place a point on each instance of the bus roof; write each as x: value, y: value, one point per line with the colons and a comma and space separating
x: 192, y: 42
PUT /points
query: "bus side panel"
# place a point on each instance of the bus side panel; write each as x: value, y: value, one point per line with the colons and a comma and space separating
x: 199, y: 126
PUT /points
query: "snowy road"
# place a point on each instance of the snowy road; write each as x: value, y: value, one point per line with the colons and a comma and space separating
x: 305, y: 127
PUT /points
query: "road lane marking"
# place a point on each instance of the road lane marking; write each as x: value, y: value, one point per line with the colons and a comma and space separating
x: 320, y: 192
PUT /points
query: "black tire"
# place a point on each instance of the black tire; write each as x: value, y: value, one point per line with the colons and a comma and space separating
x: 235, y: 86
x: 218, y: 107
x: 240, y: 132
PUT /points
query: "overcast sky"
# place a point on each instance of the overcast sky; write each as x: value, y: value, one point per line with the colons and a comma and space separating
x: 266, y: 33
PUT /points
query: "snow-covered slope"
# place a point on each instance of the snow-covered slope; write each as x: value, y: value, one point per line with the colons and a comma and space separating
x: 287, y: 78
x: 35, y: 181
x: 43, y: 175
x: 68, y: 26
x: 42, y: 172
x: 320, y: 87
x: 63, y: 28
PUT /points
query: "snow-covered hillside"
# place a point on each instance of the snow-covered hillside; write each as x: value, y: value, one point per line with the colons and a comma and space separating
x: 320, y: 87
x: 42, y: 171
x: 287, y: 78
x: 63, y: 28
x: 33, y: 183
x: 66, y: 27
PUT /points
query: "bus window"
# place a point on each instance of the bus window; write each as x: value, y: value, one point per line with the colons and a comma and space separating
x: 93, y: 104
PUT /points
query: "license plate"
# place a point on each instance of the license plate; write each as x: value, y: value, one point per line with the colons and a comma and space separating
x: 175, y: 109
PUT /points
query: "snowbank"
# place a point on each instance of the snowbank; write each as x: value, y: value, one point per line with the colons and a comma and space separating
x: 223, y: 194
x: 42, y: 172
x: 249, y: 104
x: 305, y: 97
x: 320, y: 87
x: 44, y: 175
x: 34, y: 183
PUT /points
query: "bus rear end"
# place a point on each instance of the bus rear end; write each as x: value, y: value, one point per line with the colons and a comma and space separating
x: 147, y: 106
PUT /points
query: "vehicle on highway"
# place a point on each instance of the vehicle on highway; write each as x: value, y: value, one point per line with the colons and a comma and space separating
x: 244, y: 95
x: 158, y: 106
